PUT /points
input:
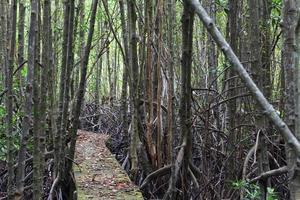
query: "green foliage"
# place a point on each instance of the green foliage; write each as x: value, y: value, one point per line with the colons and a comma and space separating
x: 24, y: 71
x: 271, y: 194
x: 276, y: 6
x: 252, y: 191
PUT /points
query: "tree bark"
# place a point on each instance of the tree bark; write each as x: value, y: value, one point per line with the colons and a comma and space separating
x: 60, y: 148
x: 230, y: 85
x: 290, y: 64
x: 9, y: 98
x: 159, y: 133
x: 186, y: 92
x: 27, y: 109
x: 171, y: 94
x: 37, y: 181
x: 134, y: 88
x: 125, y: 70
x: 21, y: 26
x: 149, y: 81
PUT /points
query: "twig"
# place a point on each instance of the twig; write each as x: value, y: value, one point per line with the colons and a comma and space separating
x: 194, y: 179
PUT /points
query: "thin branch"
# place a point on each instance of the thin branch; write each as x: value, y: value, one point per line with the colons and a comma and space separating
x: 274, y: 172
x: 158, y: 173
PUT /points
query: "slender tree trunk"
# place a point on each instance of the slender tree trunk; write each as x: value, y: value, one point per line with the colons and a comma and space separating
x: 21, y: 25
x: 37, y: 179
x: 114, y: 89
x: 68, y: 68
x: 59, y: 137
x: 212, y: 61
x: 27, y: 121
x: 290, y: 64
x: 159, y: 86
x: 231, y: 83
x: 109, y: 71
x: 134, y: 74
x: 258, y: 76
x: 52, y: 114
x: 81, y: 39
x: 171, y: 94
x: 80, y: 94
x: 125, y: 70
x: 3, y: 36
x: 149, y: 80
x: 9, y: 98
x: 186, y: 92
x: 46, y: 62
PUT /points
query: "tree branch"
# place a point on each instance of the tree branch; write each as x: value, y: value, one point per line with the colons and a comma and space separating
x: 274, y: 172
x: 160, y: 172
x: 270, y: 112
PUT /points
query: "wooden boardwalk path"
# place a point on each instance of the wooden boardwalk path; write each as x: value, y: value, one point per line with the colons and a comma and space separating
x: 98, y: 174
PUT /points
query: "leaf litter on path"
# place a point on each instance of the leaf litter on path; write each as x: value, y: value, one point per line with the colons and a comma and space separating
x: 99, y: 175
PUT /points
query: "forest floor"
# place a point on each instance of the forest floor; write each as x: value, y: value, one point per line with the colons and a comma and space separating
x: 97, y: 172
